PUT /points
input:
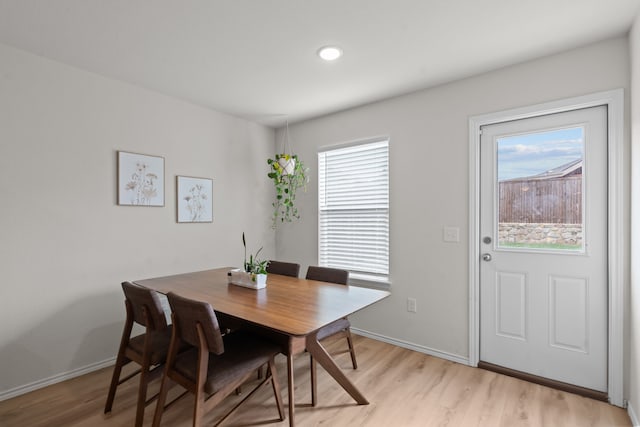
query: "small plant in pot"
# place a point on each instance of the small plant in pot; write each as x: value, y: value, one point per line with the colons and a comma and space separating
x: 288, y: 173
x: 256, y: 268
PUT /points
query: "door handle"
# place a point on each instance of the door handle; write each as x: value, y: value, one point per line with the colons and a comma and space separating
x: 486, y: 257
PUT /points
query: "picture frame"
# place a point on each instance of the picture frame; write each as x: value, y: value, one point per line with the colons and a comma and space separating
x: 140, y: 179
x: 194, y: 199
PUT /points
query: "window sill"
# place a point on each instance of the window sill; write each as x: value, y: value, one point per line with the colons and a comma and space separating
x: 367, y: 281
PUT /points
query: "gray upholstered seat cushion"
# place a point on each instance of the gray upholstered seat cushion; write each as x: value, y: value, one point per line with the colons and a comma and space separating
x: 333, y: 328
x: 243, y: 352
x: 159, y: 345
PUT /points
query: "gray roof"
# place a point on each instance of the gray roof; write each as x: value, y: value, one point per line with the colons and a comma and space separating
x: 572, y: 168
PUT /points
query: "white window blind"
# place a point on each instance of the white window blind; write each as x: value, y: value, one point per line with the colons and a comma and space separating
x: 353, y: 200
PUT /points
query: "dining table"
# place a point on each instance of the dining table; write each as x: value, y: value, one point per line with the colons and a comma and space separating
x: 289, y: 308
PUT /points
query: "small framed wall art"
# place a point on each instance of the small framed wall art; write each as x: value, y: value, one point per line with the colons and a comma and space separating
x: 194, y: 199
x: 140, y: 179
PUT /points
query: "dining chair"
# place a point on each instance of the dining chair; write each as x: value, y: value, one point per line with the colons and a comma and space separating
x: 217, y: 364
x: 340, y: 326
x: 149, y: 350
x: 284, y: 268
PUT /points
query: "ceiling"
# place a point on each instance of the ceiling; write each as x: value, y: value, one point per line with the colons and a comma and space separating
x: 256, y: 59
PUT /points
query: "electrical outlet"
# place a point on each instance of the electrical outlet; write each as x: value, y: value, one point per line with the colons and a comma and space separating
x: 451, y: 234
x: 412, y: 305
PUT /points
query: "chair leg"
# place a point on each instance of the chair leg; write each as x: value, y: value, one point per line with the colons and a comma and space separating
x: 162, y: 397
x: 276, y: 388
x: 115, y: 379
x: 314, y: 380
x: 352, y: 349
x: 142, y: 394
x: 198, y: 408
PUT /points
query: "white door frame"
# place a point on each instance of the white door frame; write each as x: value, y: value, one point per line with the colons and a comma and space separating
x: 614, y: 100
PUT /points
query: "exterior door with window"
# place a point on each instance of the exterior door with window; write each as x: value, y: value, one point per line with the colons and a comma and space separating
x: 543, y: 224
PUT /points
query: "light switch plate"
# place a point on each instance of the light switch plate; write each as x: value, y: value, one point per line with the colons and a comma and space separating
x: 412, y: 305
x: 451, y: 234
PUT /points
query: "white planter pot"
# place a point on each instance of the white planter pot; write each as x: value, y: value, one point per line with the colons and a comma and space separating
x: 242, y: 278
x: 260, y: 280
x: 288, y: 166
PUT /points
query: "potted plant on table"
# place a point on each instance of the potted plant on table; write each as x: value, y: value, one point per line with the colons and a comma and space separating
x: 255, y: 267
x: 254, y: 272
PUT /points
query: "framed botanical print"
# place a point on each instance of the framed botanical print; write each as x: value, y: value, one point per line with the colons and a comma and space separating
x: 194, y: 199
x: 140, y: 179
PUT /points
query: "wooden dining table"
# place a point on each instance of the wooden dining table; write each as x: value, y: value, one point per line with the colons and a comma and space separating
x: 290, y: 308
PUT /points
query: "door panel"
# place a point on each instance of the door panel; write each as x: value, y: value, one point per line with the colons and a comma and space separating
x: 511, y: 305
x: 543, y: 277
x: 568, y: 308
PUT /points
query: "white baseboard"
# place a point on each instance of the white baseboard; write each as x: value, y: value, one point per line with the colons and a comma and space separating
x: 635, y: 421
x: 419, y: 348
x: 23, y: 389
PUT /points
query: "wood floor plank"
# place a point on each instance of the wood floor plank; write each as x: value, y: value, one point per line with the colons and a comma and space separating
x: 404, y: 388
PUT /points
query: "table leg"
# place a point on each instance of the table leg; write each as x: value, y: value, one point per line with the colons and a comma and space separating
x: 290, y: 385
x: 326, y: 361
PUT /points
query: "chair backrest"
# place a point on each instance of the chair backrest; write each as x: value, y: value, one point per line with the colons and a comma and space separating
x: 145, y: 301
x: 187, y: 314
x: 285, y: 268
x: 326, y: 274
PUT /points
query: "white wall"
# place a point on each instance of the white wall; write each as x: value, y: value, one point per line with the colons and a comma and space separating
x: 634, y: 324
x: 65, y: 245
x: 429, y: 183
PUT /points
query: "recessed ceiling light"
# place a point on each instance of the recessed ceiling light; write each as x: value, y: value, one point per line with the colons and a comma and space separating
x: 329, y: 53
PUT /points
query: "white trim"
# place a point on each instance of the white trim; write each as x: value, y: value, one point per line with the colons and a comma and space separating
x: 405, y: 344
x: 353, y: 143
x: 614, y: 100
x: 635, y: 421
x: 23, y: 389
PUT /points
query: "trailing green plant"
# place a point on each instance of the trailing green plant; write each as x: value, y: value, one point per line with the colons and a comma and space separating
x: 286, y: 183
x: 254, y: 265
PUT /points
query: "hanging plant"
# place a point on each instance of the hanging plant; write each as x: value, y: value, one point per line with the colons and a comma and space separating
x: 288, y: 173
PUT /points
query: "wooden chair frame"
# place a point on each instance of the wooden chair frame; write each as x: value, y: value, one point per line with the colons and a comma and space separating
x: 153, y: 323
x: 325, y: 274
x: 203, y: 403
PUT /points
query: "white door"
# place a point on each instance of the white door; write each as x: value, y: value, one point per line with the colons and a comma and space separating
x: 543, y: 224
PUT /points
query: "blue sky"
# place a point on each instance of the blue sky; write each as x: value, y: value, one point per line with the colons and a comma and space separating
x: 534, y: 153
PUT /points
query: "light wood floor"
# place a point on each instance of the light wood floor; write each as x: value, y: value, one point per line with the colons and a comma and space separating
x: 405, y: 388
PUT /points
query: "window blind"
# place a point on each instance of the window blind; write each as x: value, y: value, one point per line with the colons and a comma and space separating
x: 353, y: 200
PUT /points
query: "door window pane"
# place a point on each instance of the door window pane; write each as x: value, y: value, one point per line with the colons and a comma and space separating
x: 540, y: 190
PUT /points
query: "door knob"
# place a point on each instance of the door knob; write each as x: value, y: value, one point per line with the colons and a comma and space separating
x: 486, y: 257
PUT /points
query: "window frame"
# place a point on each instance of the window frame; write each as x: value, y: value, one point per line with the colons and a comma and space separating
x: 378, y: 281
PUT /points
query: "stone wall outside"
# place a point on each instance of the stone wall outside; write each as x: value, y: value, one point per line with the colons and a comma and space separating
x: 566, y: 234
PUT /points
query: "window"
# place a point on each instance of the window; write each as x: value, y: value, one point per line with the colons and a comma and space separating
x: 353, y: 200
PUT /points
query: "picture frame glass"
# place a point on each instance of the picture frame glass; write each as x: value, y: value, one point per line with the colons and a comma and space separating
x: 194, y: 199
x: 140, y: 179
